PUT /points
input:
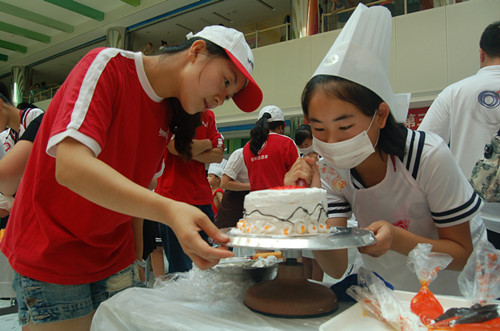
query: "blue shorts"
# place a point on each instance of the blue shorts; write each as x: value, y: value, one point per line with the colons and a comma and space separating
x: 46, y: 303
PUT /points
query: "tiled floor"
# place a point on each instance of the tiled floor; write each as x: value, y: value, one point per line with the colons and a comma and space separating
x: 8, y: 322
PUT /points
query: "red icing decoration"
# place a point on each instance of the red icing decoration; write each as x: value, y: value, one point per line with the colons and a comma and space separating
x: 289, y: 187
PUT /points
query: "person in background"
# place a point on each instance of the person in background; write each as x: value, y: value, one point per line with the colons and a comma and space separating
x: 163, y: 46
x: 17, y: 120
x: 186, y: 181
x: 269, y: 154
x: 236, y: 185
x: 403, y: 185
x: 215, y: 171
x: 148, y: 50
x: 466, y: 115
x: 26, y: 119
x: 303, y: 140
x: 101, y: 142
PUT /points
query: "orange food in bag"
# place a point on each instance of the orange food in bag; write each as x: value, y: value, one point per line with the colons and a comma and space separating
x: 425, y: 305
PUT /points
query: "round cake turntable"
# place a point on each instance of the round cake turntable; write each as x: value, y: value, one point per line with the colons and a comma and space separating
x: 290, y: 294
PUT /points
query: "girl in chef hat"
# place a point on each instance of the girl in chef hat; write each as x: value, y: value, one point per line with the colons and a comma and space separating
x: 214, y: 176
x: 403, y: 185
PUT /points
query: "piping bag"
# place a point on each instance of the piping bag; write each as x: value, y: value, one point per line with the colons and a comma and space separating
x: 479, y: 282
x: 301, y: 182
x: 426, y: 265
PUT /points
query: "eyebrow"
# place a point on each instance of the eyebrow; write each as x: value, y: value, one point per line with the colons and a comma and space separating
x: 340, y: 118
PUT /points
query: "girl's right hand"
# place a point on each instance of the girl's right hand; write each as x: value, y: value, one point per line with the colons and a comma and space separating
x: 187, y: 222
x: 305, y: 169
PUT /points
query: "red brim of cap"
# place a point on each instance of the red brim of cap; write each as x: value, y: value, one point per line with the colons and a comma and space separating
x: 250, y: 97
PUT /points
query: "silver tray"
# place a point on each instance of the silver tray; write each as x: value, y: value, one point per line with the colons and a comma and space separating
x: 338, y: 237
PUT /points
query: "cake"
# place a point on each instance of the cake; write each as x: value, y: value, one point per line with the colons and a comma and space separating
x: 284, y: 211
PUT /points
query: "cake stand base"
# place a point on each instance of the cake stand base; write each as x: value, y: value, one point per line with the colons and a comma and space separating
x: 290, y: 294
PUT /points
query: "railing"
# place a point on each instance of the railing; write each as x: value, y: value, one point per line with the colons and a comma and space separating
x: 41, y: 95
x: 284, y: 30
x: 329, y: 21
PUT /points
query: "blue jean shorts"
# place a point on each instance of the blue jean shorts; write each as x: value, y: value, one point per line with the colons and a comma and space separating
x: 46, y: 303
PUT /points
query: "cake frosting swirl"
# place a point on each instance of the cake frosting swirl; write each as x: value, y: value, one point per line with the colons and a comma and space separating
x: 285, y: 211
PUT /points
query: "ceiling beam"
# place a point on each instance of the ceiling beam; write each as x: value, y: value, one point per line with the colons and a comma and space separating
x: 34, y: 17
x: 134, y: 3
x: 13, y: 47
x: 3, y: 57
x: 24, y: 32
x: 78, y: 8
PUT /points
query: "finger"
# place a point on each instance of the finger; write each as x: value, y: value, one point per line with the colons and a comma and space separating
x: 202, y: 249
x: 205, y: 256
x: 310, y: 160
x: 217, y: 235
x: 202, y: 263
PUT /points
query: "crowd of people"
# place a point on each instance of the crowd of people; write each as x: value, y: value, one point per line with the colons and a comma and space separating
x: 116, y: 177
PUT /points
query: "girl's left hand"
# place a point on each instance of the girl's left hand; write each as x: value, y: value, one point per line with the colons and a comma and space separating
x: 384, y: 233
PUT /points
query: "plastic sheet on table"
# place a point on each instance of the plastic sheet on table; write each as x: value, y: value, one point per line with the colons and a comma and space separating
x: 196, y: 300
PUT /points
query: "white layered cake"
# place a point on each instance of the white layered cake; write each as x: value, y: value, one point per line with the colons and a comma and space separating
x: 285, y: 211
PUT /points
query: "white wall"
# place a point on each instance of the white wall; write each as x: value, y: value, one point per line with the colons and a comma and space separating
x: 430, y: 50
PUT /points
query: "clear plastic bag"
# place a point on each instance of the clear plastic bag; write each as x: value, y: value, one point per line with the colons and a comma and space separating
x: 207, y: 300
x: 375, y: 297
x: 479, y: 281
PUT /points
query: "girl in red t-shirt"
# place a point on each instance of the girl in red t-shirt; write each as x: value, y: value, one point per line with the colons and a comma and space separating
x: 215, y: 171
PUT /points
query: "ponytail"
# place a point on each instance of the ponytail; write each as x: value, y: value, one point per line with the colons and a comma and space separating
x: 183, y: 125
x: 259, y: 133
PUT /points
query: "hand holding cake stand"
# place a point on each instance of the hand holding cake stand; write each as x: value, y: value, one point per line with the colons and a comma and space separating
x: 290, y: 294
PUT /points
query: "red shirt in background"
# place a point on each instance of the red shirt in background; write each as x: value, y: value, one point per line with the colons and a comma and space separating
x: 187, y: 181
x: 268, y: 168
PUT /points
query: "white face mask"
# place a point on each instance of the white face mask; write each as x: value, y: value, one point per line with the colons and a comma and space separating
x: 346, y: 154
x: 306, y: 150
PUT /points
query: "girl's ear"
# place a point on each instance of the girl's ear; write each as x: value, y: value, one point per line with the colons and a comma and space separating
x: 198, y: 47
x: 382, y: 114
x: 306, y: 120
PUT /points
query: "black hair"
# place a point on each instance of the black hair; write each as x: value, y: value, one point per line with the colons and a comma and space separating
x: 260, y: 131
x: 184, y: 125
x: 4, y: 93
x: 303, y: 132
x: 490, y: 40
x: 392, y: 139
x: 25, y: 105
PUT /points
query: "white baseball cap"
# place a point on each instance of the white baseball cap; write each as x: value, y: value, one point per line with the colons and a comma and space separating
x: 361, y: 54
x: 236, y: 47
x: 275, y: 112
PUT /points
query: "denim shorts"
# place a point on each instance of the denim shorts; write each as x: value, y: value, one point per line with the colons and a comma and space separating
x: 46, y: 303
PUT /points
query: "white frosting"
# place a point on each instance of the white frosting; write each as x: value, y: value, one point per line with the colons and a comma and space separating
x: 285, y: 212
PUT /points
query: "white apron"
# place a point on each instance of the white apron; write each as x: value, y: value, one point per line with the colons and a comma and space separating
x: 400, y: 201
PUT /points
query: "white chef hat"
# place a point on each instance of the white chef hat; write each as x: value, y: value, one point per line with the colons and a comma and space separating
x: 361, y: 54
x: 217, y: 168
